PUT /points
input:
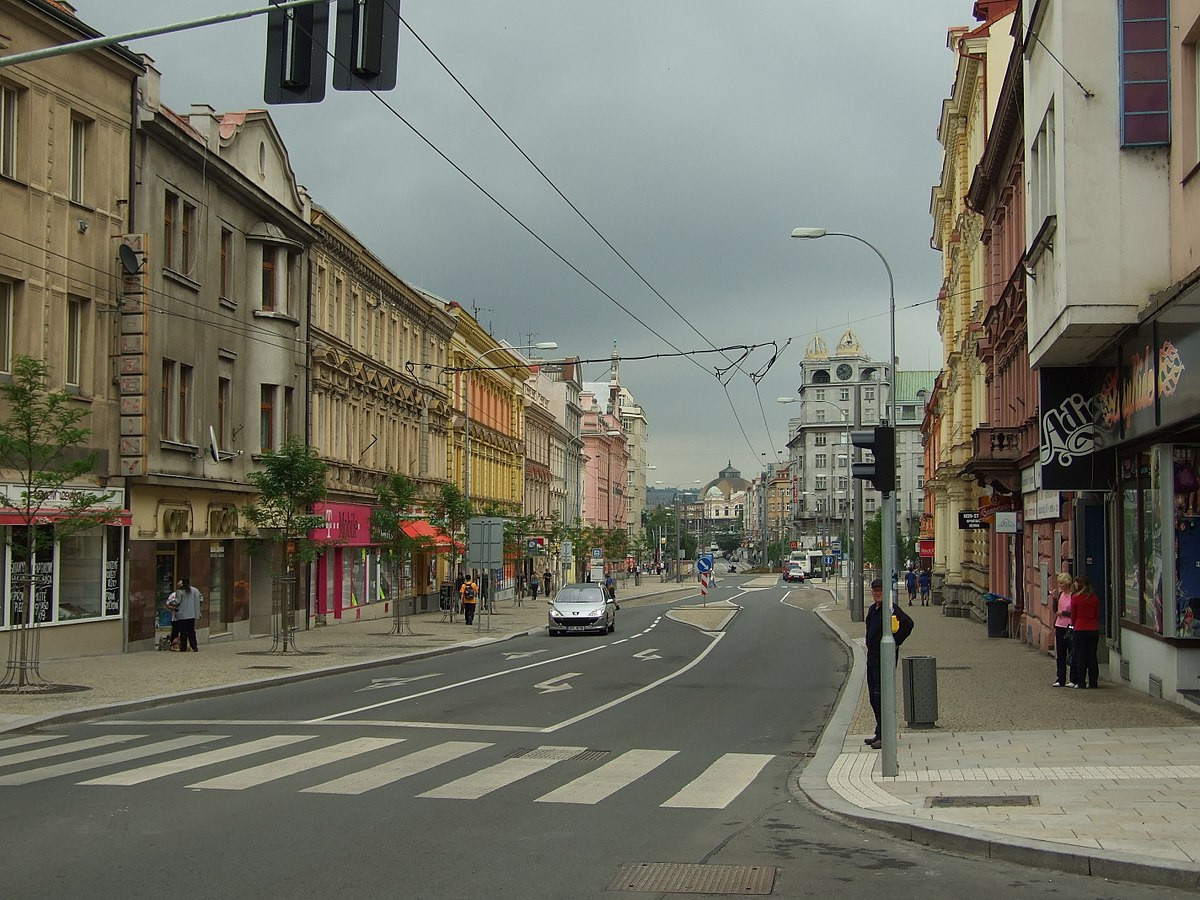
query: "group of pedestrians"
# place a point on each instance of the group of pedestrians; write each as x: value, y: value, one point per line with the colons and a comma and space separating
x: 914, y: 580
x: 1076, y: 633
x: 184, y: 606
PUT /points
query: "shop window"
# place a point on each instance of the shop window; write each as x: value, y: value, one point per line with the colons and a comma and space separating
x: 80, y: 558
x: 43, y: 573
x: 1187, y: 541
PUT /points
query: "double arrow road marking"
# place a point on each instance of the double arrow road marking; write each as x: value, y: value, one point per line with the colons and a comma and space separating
x: 558, y: 682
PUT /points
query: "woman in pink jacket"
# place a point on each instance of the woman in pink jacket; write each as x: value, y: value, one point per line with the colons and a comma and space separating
x: 1062, y: 630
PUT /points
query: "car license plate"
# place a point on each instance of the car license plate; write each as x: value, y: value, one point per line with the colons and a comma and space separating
x: 578, y: 627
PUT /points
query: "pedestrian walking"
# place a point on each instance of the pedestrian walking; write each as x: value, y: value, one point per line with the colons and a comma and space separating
x: 925, y: 581
x: 547, y: 582
x: 469, y: 595
x: 910, y: 585
x: 188, y: 609
x: 902, y: 626
x: 1062, y: 631
x: 1085, y: 636
x: 534, y: 584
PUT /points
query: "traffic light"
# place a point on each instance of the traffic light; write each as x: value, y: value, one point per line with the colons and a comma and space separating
x: 296, y: 54
x: 880, y: 471
x: 368, y: 43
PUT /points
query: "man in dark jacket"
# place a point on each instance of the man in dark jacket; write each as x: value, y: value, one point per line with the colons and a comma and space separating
x: 874, y: 623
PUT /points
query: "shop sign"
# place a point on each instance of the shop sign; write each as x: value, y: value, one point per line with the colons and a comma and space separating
x: 991, y: 504
x: 925, y: 548
x: 1008, y: 522
x: 969, y: 520
x: 1041, y: 506
x: 345, y: 523
x: 1076, y: 448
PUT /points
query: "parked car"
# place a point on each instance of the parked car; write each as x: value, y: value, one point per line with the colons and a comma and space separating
x: 582, y: 607
x: 793, y: 571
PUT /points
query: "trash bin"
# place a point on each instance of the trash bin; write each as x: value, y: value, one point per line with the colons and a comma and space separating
x: 997, y: 615
x: 920, y: 690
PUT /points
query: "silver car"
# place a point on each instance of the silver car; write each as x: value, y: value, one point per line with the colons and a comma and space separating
x: 582, y: 607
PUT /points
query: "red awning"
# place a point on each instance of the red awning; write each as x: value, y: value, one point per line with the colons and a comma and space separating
x: 421, y: 530
x: 47, y: 517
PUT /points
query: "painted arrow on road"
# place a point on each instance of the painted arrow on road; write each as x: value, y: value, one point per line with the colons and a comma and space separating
x: 380, y: 683
x: 521, y: 654
x: 648, y: 653
x: 548, y: 686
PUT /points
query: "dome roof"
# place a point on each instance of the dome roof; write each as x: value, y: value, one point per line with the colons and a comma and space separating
x: 726, y: 484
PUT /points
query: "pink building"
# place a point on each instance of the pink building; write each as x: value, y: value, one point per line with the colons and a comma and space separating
x: 605, y: 463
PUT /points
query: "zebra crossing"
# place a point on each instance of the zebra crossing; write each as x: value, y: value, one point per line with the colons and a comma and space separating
x: 472, y: 769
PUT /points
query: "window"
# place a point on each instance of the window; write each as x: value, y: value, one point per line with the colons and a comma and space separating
x: 170, y: 212
x: 1145, y: 73
x: 74, y: 339
x: 266, y: 418
x: 1042, y: 173
x: 168, y: 391
x: 820, y: 440
x: 844, y: 395
x: 224, y: 409
x: 226, y: 260
x: 287, y: 413
x: 6, y: 323
x: 821, y: 461
x: 818, y: 394
x: 868, y: 393
x: 268, y: 279
x: 820, y: 415
x: 79, y: 131
x: 908, y: 413
x: 8, y: 131
x: 869, y: 505
x: 186, y: 235
x: 185, y: 409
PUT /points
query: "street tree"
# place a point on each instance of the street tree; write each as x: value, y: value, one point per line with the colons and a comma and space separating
x: 290, y: 483
x: 396, y: 498
x: 41, y: 445
x: 450, y: 512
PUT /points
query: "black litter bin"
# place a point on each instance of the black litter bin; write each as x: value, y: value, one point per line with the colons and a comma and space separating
x: 997, y: 615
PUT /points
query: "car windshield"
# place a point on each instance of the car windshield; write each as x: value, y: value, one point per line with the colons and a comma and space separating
x: 590, y: 594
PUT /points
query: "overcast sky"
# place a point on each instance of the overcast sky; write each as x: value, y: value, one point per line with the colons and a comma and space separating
x: 693, y: 134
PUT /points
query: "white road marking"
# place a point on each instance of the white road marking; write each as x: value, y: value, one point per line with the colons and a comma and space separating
x: 609, y: 778
x: 549, y: 686
x: 199, y: 760
x: 272, y: 771
x: 483, y: 782
x: 107, y: 759
x: 396, y: 769
x: 647, y: 654
x: 521, y: 654
x: 380, y: 683
x: 721, y: 782
x: 64, y: 749
x: 23, y: 739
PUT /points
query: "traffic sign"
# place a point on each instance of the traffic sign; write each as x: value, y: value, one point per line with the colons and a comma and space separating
x: 704, y: 563
x: 829, y: 560
x: 597, y: 553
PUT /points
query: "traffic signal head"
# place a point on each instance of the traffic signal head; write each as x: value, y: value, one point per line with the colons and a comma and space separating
x: 368, y: 42
x: 296, y: 54
x: 880, y: 471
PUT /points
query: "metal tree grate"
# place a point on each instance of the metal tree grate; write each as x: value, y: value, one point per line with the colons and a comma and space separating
x: 951, y: 801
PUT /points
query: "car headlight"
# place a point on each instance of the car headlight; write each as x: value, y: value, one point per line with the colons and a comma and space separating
x: 597, y: 613
x: 554, y: 611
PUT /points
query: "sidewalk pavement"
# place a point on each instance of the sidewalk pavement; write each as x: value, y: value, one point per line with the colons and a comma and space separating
x: 124, y: 682
x: 1103, y: 782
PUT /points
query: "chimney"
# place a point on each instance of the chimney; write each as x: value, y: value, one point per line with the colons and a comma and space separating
x: 149, y: 85
x: 205, y: 120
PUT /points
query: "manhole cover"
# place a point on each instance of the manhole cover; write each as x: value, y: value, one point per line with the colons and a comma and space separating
x: 691, y: 878
x: 955, y: 802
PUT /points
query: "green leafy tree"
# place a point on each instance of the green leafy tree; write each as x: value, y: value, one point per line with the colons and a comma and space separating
x: 291, y: 481
x: 396, y: 498
x: 616, y: 542
x: 729, y: 542
x: 873, y: 541
x: 41, y: 436
x: 450, y: 511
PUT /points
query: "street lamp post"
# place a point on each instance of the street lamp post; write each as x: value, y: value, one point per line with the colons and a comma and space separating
x: 542, y: 345
x: 887, y: 644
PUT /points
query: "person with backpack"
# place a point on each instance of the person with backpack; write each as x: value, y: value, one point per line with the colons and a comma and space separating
x: 469, y: 594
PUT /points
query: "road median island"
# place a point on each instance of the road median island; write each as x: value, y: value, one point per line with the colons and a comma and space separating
x: 713, y: 617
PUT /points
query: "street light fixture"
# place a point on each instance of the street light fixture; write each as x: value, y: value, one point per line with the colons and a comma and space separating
x: 887, y: 644
x: 541, y: 345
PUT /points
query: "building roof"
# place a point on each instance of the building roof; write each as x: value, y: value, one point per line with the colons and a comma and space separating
x: 910, y: 386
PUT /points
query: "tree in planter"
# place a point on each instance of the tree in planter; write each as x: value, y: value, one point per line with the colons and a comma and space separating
x: 396, y: 497
x: 292, y: 480
x: 450, y: 511
x: 40, y: 440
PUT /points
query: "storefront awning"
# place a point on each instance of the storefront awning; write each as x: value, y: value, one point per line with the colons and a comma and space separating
x: 422, y: 530
x: 48, y: 517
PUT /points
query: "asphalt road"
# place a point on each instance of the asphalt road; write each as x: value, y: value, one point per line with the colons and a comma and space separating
x: 535, y: 768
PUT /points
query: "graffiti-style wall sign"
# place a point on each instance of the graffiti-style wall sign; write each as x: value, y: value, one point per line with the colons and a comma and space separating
x: 1076, y: 447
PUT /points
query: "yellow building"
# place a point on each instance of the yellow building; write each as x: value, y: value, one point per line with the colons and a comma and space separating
x: 961, y: 554
x: 486, y: 381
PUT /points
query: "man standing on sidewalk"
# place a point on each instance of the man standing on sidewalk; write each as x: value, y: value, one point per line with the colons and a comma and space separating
x: 468, y: 594
x: 874, y: 623
x: 188, y: 611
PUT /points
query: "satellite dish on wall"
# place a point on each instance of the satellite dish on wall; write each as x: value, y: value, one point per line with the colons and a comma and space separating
x: 214, y: 449
x: 129, y: 259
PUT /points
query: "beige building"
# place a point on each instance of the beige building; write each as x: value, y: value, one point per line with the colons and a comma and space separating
x: 65, y: 193
x: 379, y: 406
x: 961, y: 559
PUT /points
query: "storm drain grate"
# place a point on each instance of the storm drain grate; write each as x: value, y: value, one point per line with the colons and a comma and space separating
x: 954, y: 668
x: 268, y: 667
x: 956, y: 802
x: 562, y: 754
x: 693, y: 878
